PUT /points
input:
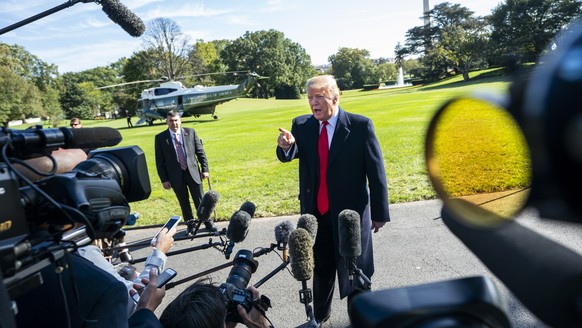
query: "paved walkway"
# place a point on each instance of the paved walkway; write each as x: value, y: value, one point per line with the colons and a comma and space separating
x: 415, y: 248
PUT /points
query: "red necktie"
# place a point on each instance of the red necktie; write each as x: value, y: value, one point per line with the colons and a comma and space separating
x: 323, y: 149
x: 180, y: 153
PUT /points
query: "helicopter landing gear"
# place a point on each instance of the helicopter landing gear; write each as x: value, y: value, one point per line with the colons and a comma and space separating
x: 149, y: 122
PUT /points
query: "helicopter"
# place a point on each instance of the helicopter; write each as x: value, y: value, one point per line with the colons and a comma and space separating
x: 154, y: 103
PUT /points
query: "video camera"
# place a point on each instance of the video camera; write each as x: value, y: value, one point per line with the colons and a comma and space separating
x: 95, y: 194
x: 537, y: 132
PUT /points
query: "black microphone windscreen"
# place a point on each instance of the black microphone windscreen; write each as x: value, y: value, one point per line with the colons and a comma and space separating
x: 91, y: 138
x: 309, y: 223
x: 282, y: 231
x: 301, y: 253
x: 248, y: 207
x: 350, y: 244
x: 123, y: 17
x: 207, y: 205
x: 238, y: 226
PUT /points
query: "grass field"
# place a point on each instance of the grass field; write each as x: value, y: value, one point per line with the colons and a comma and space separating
x: 240, y: 146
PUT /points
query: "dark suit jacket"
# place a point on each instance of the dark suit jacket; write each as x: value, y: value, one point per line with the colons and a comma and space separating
x: 355, y: 165
x: 93, y: 298
x: 167, y: 160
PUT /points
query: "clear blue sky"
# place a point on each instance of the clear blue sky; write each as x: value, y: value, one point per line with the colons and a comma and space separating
x: 82, y: 36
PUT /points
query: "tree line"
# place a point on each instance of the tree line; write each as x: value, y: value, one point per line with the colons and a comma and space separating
x: 455, y: 42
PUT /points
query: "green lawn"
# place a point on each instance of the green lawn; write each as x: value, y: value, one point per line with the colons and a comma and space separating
x: 240, y: 146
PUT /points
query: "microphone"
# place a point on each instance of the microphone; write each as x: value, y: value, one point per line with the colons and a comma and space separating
x: 207, y: 205
x: 248, y: 207
x: 309, y: 223
x: 34, y: 142
x: 301, y: 254
x: 237, y: 230
x: 282, y: 231
x: 350, y: 245
x: 123, y: 17
x: 91, y: 138
x: 543, y: 274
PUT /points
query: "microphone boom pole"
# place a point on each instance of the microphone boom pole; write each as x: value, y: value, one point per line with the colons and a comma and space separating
x: 41, y: 15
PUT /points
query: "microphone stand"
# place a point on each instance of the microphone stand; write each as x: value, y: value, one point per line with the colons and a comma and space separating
x: 306, y: 298
x: 146, y: 242
x: 362, y: 282
x: 271, y: 274
x: 186, y: 250
x: 45, y: 13
x: 173, y: 284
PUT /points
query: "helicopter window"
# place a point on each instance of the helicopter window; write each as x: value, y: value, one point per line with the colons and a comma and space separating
x: 163, y: 91
x: 169, y: 101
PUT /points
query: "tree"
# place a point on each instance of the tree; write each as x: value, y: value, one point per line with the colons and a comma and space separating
x: 72, y: 99
x: 17, y: 93
x: 25, y: 80
x: 524, y: 28
x: 353, y: 68
x: 167, y: 47
x: 463, y: 47
x: 269, y: 53
x: 455, y: 39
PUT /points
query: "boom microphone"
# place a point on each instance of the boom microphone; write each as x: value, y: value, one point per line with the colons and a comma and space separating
x: 248, y: 207
x: 91, y: 138
x: 282, y: 231
x: 309, y: 223
x: 123, y: 17
x: 34, y: 142
x: 543, y: 274
x: 301, y: 253
x: 207, y: 205
x: 237, y: 230
x: 350, y: 245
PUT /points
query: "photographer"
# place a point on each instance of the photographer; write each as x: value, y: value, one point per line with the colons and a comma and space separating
x: 204, y: 305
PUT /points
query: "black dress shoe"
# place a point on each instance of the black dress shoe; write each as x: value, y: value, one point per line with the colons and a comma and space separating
x: 210, y: 226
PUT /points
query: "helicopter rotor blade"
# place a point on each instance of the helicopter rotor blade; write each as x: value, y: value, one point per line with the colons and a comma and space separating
x: 208, y: 74
x: 133, y: 82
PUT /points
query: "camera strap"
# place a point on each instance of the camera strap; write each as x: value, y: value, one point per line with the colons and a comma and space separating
x: 262, y: 304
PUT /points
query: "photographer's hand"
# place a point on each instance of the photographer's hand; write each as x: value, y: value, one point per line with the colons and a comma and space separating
x: 254, y: 318
x: 151, y: 296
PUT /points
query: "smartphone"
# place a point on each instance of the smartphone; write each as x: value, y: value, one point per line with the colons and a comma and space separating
x: 163, y: 279
x: 166, y: 276
x: 172, y: 222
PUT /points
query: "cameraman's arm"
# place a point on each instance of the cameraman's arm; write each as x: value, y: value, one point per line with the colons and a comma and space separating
x: 254, y: 318
x: 66, y: 160
x: 157, y: 260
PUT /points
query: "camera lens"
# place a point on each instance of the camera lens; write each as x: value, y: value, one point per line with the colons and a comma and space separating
x: 244, y: 266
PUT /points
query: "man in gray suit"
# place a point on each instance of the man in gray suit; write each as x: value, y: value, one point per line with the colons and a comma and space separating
x: 182, y: 164
x: 340, y: 167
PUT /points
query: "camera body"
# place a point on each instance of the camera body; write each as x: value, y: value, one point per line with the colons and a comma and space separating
x: 234, y: 289
x: 95, y: 195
